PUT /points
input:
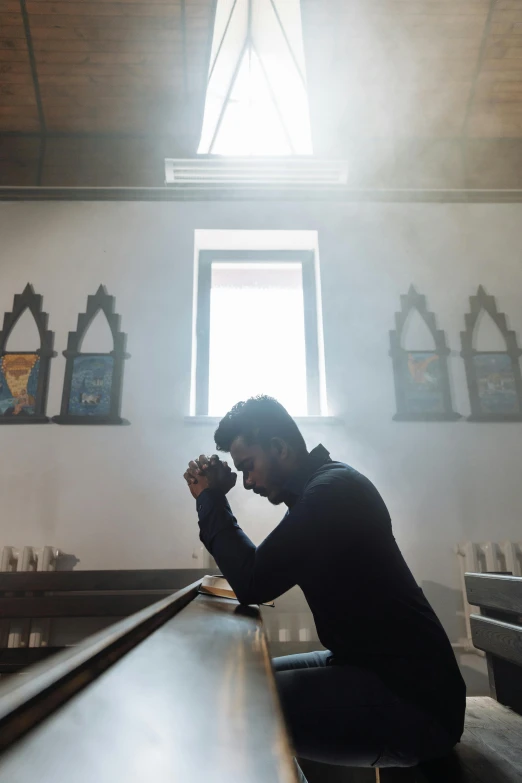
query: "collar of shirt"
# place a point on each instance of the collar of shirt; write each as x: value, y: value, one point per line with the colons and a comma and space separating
x: 316, y: 459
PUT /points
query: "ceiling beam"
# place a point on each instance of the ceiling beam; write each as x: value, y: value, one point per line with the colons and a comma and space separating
x: 36, y: 88
x: 478, y: 68
x: 32, y: 62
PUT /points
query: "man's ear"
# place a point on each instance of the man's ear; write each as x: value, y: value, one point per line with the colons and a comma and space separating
x: 280, y: 447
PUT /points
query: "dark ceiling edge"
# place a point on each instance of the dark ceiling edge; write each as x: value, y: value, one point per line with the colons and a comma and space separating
x: 198, y: 194
x: 154, y: 136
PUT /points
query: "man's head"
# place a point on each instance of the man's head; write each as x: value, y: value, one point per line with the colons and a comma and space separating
x: 265, y: 444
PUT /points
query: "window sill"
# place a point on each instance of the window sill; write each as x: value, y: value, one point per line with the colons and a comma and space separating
x: 300, y: 420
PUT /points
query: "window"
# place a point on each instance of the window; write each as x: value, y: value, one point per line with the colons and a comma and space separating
x: 256, y: 101
x: 257, y: 330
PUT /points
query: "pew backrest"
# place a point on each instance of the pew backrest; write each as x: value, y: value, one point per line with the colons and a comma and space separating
x: 497, y: 630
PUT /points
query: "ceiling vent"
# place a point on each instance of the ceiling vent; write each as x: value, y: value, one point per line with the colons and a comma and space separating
x: 254, y: 173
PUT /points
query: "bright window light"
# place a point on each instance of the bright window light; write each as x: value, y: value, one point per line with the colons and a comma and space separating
x: 256, y: 101
x: 257, y: 335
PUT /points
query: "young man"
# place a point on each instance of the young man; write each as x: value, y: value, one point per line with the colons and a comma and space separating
x: 387, y: 691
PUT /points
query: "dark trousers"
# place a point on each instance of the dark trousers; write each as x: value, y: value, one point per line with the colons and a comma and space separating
x: 346, y: 715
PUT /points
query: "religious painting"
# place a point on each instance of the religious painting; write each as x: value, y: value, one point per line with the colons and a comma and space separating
x: 24, y: 375
x: 493, y: 377
x: 91, y: 386
x: 18, y: 384
x: 422, y: 387
x: 497, y: 390
x: 93, y: 381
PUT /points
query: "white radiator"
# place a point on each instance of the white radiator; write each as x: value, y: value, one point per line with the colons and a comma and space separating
x: 488, y: 556
x: 26, y: 633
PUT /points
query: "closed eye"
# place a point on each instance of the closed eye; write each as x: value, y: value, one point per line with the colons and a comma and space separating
x: 245, y: 467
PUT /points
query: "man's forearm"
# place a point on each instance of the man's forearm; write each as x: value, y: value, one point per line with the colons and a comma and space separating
x: 230, y: 547
x: 214, y: 515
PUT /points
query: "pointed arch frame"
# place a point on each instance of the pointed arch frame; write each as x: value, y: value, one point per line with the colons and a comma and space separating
x: 104, y: 302
x: 29, y: 300
x: 405, y: 410
x: 483, y: 302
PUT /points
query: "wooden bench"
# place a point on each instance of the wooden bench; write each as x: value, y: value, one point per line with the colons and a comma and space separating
x: 491, y: 747
x: 29, y: 600
x: 181, y: 691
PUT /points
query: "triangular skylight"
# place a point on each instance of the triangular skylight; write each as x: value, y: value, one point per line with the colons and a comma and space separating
x: 256, y: 101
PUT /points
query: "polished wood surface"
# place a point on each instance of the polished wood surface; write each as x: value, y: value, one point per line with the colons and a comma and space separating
x: 87, y: 593
x: 70, y: 595
x: 497, y: 638
x: 492, y: 591
x: 14, y: 659
x: 77, y: 605
x: 32, y: 696
x: 194, y: 701
x: 93, y: 581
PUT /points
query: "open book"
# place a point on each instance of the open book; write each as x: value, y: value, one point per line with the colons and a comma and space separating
x: 218, y: 585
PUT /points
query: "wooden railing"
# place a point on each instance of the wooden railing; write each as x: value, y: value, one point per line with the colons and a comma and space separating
x: 41, y: 612
x: 181, y: 691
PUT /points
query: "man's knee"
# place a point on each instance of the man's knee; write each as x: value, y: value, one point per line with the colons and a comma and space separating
x: 311, y: 660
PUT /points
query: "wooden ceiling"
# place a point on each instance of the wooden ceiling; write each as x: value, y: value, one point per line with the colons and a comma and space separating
x: 420, y: 68
x: 442, y: 74
x: 101, y: 67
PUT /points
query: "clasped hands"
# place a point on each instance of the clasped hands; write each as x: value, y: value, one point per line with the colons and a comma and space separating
x: 209, y: 473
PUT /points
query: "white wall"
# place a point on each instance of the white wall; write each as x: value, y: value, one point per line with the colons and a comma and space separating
x: 115, y: 498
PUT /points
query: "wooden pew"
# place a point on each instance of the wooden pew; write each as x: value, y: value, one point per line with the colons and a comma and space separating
x: 68, y: 595
x: 181, y: 691
x: 491, y: 748
x: 498, y: 631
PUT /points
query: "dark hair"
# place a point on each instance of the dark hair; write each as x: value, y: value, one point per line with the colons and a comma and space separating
x: 258, y: 420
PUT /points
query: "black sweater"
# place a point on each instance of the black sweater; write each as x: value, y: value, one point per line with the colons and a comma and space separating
x: 336, y: 543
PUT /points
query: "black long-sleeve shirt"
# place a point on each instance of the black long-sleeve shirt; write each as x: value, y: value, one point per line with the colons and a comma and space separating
x: 336, y: 543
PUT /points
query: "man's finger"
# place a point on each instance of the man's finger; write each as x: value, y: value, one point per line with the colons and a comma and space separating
x: 193, y: 470
x: 202, y: 462
x: 194, y: 466
x: 189, y: 478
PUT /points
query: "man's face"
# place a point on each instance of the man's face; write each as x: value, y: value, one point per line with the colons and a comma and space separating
x: 263, y: 470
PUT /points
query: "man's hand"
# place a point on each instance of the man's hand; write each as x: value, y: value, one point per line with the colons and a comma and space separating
x: 209, y: 473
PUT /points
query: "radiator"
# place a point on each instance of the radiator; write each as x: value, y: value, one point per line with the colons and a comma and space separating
x: 26, y: 633
x: 488, y: 556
